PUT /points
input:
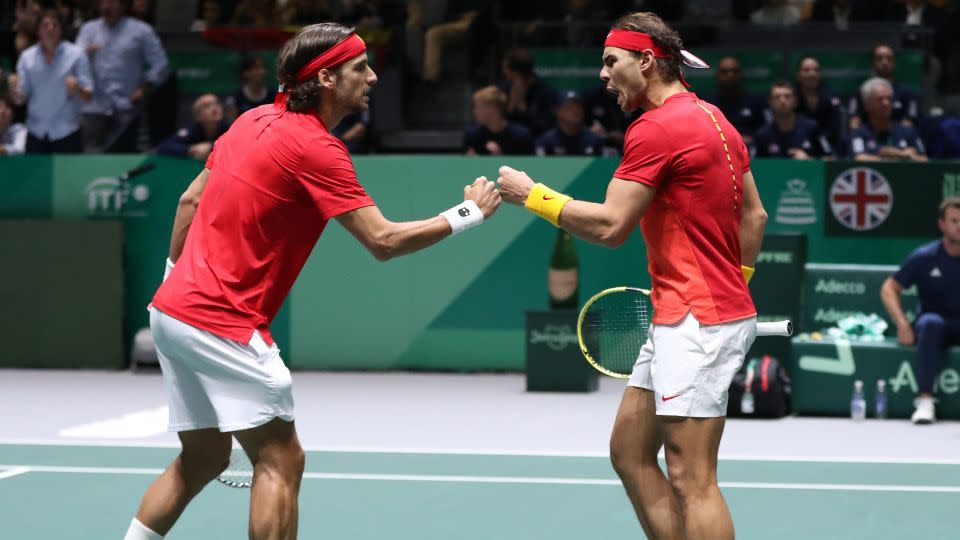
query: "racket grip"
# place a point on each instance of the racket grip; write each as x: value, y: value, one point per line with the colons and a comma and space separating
x: 775, y: 328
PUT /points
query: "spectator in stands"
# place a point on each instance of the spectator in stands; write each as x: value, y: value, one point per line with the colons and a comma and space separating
x: 492, y: 133
x: 817, y: 102
x: 776, y: 13
x: 742, y: 109
x: 253, y: 91
x: 119, y: 48
x: 935, y: 269
x: 463, y: 19
x: 197, y: 140
x: 211, y: 15
x: 606, y: 119
x: 789, y: 134
x: 917, y: 13
x: 571, y: 136
x: 304, y: 12
x: 13, y: 137
x: 142, y: 10
x: 53, y: 79
x: 530, y: 101
x: 906, y: 106
x: 353, y: 130
x: 839, y: 12
x: 880, y: 138
x: 26, y: 17
x: 255, y: 13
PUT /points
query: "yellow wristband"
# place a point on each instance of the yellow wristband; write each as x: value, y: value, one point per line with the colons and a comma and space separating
x: 747, y: 272
x: 546, y: 203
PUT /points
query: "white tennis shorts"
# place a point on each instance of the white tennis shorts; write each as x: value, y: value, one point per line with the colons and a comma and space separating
x: 213, y: 382
x: 689, y: 366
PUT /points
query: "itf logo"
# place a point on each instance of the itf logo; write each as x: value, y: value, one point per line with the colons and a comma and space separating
x: 861, y: 198
x: 106, y: 198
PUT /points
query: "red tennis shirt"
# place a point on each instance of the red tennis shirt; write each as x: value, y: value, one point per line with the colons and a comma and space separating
x: 688, y: 151
x: 275, y: 180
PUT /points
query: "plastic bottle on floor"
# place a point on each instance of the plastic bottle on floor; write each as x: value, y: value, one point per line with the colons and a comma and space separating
x: 880, y: 402
x: 858, y: 405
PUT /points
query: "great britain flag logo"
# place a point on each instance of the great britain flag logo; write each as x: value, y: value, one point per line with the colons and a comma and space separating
x: 861, y: 198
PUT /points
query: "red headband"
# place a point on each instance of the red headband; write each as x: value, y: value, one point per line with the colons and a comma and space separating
x: 333, y: 57
x: 638, y: 41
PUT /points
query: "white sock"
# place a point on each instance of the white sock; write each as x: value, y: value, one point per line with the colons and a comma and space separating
x: 139, y: 531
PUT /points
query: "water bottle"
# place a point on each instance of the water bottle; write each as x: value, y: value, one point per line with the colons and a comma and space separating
x: 746, y: 403
x: 858, y: 405
x: 880, y: 402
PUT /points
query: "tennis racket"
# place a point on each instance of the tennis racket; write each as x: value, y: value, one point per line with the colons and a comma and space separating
x: 239, y: 473
x: 613, y: 326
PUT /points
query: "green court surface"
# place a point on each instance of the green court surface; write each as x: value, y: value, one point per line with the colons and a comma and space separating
x: 52, y: 492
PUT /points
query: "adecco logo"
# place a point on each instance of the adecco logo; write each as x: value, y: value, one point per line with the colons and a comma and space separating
x: 832, y: 286
x: 557, y: 337
x: 105, y: 197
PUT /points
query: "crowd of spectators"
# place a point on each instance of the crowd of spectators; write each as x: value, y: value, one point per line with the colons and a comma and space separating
x: 84, y: 69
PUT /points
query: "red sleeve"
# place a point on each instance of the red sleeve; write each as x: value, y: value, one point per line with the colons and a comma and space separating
x: 646, y: 154
x: 328, y: 176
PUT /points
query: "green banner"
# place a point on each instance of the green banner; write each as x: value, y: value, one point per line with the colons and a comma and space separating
x: 216, y: 72
x: 834, y: 291
x: 459, y: 305
x: 885, y: 199
x: 823, y: 373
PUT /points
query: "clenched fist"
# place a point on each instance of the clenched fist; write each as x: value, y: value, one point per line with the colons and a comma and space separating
x: 514, y: 185
x: 485, y: 194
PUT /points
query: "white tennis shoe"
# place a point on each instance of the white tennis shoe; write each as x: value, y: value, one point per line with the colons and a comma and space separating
x: 925, y: 411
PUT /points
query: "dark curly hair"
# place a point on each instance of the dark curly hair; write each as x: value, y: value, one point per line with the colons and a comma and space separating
x: 649, y: 23
x: 309, y: 43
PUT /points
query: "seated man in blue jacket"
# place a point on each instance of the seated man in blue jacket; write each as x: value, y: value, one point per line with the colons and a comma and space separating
x: 196, y: 141
x: 881, y: 138
x: 789, y: 134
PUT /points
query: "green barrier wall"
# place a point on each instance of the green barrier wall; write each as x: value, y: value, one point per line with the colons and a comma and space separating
x: 459, y: 305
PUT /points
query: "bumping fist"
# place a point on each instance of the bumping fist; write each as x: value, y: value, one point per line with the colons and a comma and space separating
x: 514, y: 185
x: 485, y: 194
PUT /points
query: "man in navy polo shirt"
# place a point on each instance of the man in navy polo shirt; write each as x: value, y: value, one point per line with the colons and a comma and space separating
x: 789, y: 134
x: 880, y: 138
x: 935, y: 269
x: 571, y: 136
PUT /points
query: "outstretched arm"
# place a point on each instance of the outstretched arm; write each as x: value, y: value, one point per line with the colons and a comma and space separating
x: 386, y: 239
x: 609, y: 223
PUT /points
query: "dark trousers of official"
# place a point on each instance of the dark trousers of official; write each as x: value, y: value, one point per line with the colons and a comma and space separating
x: 934, y: 334
x: 111, y: 133
x: 71, y: 144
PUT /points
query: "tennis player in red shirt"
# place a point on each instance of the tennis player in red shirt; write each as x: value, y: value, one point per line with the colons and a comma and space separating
x: 685, y: 179
x: 254, y: 215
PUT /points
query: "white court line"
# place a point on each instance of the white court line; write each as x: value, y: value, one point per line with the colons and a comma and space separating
x: 512, y: 480
x: 493, y: 452
x: 16, y: 471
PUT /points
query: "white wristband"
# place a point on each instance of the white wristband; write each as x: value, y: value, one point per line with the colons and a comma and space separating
x: 463, y: 216
x: 168, y: 269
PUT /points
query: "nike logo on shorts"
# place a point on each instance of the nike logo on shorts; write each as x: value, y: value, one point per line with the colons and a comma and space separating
x: 666, y: 398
